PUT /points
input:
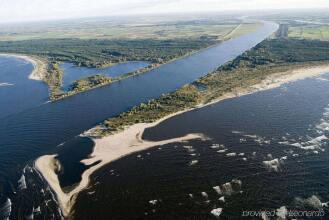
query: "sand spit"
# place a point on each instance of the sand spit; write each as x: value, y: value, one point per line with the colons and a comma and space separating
x: 116, y: 146
x: 40, y: 67
x: 106, y: 150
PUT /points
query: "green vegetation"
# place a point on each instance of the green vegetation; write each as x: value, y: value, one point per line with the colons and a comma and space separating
x: 53, y: 77
x: 126, y: 28
x: 90, y: 82
x: 314, y: 32
x: 186, y: 97
x: 308, y: 25
x: 241, y: 30
x: 100, y: 53
x: 269, y: 57
x: 107, y: 41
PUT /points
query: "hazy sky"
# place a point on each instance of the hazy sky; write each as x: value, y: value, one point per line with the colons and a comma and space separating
x: 27, y: 10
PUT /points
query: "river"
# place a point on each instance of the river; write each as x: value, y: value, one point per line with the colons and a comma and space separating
x: 36, y: 131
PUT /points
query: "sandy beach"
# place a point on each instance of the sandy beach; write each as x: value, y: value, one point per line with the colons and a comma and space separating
x: 128, y: 141
x: 39, y: 66
x: 106, y: 149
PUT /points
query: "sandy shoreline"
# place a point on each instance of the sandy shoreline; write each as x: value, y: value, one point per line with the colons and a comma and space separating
x: 116, y: 146
x: 106, y: 149
x: 39, y: 66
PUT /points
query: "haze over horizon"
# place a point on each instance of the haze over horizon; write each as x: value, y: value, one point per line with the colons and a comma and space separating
x: 40, y: 10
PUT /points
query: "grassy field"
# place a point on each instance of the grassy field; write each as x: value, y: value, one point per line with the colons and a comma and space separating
x: 126, y: 28
x: 313, y: 32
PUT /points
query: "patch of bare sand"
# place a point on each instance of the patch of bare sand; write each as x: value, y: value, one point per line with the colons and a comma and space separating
x: 39, y: 65
x: 106, y: 150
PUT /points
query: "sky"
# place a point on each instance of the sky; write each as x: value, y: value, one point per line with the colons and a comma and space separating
x: 38, y: 10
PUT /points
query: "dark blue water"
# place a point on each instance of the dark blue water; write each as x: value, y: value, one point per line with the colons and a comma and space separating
x: 38, y: 131
x: 73, y: 73
x: 289, y: 125
x: 17, y: 92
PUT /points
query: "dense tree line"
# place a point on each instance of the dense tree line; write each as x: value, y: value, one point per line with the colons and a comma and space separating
x: 96, y: 52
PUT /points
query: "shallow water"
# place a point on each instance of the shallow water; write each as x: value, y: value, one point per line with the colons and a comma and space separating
x: 179, y: 181
x: 73, y: 73
x: 69, y: 154
x: 38, y: 131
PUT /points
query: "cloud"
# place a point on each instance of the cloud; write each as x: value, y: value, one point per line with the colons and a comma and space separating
x: 26, y: 10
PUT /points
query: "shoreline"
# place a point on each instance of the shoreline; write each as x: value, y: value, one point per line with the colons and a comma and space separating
x: 39, y: 66
x: 107, y: 150
x: 115, y: 146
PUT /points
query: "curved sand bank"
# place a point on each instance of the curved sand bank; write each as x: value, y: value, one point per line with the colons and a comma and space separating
x: 128, y: 141
x: 106, y: 150
x: 39, y: 66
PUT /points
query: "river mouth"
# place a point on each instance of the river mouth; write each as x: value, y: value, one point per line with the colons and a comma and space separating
x: 38, y: 131
x: 275, y: 143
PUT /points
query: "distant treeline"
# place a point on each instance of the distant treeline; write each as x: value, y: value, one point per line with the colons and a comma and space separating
x: 281, y: 51
x: 97, y: 53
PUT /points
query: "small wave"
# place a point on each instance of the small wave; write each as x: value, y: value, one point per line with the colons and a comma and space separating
x: 204, y: 194
x: 214, y: 146
x: 282, y: 212
x: 312, y: 144
x: 231, y: 154
x: 217, y: 189
x: 31, y: 215
x: 22, y: 183
x: 6, y: 84
x: 190, y: 149
x: 258, y: 139
x: 153, y: 202
x: 193, y: 162
x: 228, y: 188
x: 312, y: 201
x: 217, y: 212
x: 275, y: 164
x: 5, y: 210
x: 322, y: 79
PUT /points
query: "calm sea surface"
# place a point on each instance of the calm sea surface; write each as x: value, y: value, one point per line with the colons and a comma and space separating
x: 17, y: 92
